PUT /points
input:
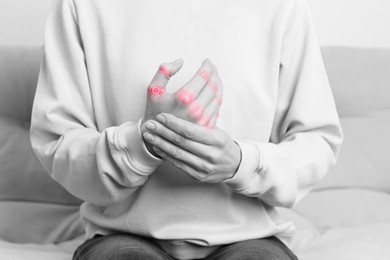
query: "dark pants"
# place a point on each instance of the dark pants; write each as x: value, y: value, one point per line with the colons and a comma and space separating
x: 125, y: 246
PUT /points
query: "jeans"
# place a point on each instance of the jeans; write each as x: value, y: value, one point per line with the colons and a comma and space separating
x: 126, y: 246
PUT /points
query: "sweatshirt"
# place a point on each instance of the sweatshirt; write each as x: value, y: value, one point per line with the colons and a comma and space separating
x: 99, y: 57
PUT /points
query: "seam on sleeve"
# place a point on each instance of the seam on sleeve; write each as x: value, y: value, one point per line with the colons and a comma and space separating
x: 122, y: 148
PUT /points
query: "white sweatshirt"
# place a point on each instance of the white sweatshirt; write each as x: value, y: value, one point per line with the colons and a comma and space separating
x: 99, y: 58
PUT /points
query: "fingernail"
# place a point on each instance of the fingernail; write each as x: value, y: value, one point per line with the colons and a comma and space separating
x: 161, y: 118
x: 150, y: 126
x: 148, y: 137
x: 157, y: 150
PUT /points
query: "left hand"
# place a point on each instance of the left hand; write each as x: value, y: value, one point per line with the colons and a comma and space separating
x: 207, y: 155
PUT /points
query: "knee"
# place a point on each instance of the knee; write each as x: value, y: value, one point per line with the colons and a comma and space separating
x: 117, y: 246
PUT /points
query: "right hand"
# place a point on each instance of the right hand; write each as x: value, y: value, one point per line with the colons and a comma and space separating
x: 198, y: 101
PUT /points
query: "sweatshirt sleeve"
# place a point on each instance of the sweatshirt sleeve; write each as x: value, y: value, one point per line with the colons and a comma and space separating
x: 101, y: 166
x: 306, y: 133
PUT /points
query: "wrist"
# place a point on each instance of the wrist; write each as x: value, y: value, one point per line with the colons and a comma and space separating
x: 130, y: 137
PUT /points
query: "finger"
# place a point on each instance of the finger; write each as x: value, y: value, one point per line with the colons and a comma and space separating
x: 219, y: 95
x: 188, y: 93
x: 210, y: 114
x: 213, y: 121
x: 193, y: 173
x: 212, y: 108
x: 199, y: 149
x: 176, y: 152
x: 160, y: 80
x: 202, y: 176
x: 189, y: 130
x: 197, y: 108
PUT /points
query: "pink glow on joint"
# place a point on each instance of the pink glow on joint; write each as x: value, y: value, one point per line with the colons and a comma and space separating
x: 218, y: 100
x: 165, y: 71
x: 196, y: 110
x: 185, y: 96
x: 212, y: 85
x: 156, y: 91
x: 204, y: 121
x: 204, y: 75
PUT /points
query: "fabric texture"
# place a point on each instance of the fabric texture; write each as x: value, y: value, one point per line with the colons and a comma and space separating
x: 125, y: 246
x: 276, y: 88
x: 39, y: 222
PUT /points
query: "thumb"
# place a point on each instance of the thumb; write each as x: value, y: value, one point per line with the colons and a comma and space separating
x: 160, y: 80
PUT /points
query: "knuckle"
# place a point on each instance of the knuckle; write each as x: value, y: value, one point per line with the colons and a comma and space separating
x: 202, y: 178
x: 219, y: 155
x: 181, y: 141
x: 159, y: 144
x: 177, y: 153
x: 177, y: 164
x: 189, y: 132
x: 209, y: 169
x: 156, y: 90
x: 196, y: 110
x: 164, y: 70
x: 204, y: 74
x: 160, y: 130
x: 209, y: 156
x: 185, y: 96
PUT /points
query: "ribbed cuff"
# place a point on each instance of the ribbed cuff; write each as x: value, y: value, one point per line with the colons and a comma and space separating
x: 250, y: 165
x: 129, y: 139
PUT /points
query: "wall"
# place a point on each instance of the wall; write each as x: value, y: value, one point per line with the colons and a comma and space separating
x: 338, y: 22
x: 22, y: 21
x: 364, y: 23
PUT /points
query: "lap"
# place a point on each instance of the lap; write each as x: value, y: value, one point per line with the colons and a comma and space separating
x: 126, y: 246
x: 257, y: 249
x: 119, y: 246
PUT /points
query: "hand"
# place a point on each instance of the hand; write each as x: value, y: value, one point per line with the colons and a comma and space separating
x: 207, y: 155
x: 197, y: 101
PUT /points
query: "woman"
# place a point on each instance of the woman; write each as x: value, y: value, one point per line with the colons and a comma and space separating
x: 167, y: 172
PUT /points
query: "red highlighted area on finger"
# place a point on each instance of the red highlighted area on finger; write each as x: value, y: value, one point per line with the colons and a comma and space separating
x: 156, y: 91
x: 204, y: 121
x: 185, y: 96
x: 213, y: 86
x: 217, y: 100
x: 196, y: 111
x: 165, y: 71
x: 204, y: 75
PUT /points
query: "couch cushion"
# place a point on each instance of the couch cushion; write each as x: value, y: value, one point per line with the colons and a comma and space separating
x: 22, y: 177
x: 360, y: 80
x: 39, y: 223
x: 34, y: 208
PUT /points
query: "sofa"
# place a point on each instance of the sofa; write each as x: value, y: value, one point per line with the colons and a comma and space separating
x: 346, y: 216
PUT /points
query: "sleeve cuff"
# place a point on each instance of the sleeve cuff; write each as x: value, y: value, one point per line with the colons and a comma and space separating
x: 251, y: 164
x: 129, y: 139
